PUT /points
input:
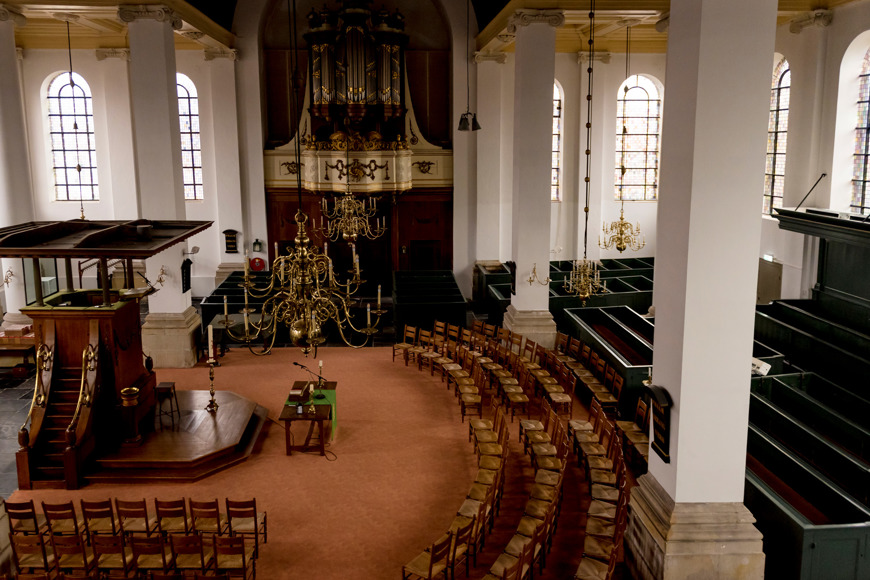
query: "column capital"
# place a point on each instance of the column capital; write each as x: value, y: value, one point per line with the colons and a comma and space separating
x: 9, y: 13
x: 130, y: 12
x: 120, y: 53
x: 214, y: 53
x: 497, y: 57
x: 525, y: 17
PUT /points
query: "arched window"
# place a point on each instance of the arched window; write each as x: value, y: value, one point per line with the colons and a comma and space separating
x: 73, y: 148
x: 191, y: 149
x: 638, y: 116
x: 777, y: 131
x: 860, y: 172
x: 556, y: 173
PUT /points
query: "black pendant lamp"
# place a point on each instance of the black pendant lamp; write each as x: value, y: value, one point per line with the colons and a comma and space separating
x: 468, y: 120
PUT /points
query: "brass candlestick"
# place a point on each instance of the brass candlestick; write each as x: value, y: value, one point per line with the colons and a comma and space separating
x: 212, y: 406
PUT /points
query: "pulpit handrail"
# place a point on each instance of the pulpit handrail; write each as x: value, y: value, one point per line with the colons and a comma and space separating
x: 43, y: 362
x: 89, y: 364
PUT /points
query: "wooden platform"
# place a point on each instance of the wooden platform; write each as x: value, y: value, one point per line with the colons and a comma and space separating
x: 200, y: 444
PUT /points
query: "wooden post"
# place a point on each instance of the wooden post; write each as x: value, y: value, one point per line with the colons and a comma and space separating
x: 104, y: 280
x: 128, y: 270
x: 67, y: 264
x: 37, y: 282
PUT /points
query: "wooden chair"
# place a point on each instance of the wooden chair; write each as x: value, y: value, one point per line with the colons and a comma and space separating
x: 29, y: 553
x: 71, y: 553
x: 597, y: 418
x: 23, y: 518
x: 453, y: 331
x: 190, y: 554
x: 61, y: 518
x: 529, y: 425
x: 409, y: 340
x: 601, y: 548
x: 428, y: 351
x: 99, y: 518
x: 232, y: 556
x: 421, y: 345
x: 151, y: 554
x: 439, y: 334
x: 490, y: 330
x: 461, y: 548
x: 544, y: 435
x: 507, y: 567
x: 206, y: 518
x: 112, y: 556
x: 551, y: 462
x: 471, y: 404
x: 244, y: 520
x: 171, y: 516
x: 430, y: 563
x: 477, y: 325
x: 134, y: 518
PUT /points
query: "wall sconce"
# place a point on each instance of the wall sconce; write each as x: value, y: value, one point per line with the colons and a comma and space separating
x: 193, y: 250
x: 7, y: 278
x: 534, y: 277
x: 257, y: 245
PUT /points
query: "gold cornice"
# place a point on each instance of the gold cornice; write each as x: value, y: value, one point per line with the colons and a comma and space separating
x: 192, y: 17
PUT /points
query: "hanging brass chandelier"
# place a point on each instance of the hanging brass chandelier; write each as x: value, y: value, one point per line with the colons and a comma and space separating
x: 348, y: 218
x: 584, y: 280
x: 303, y: 292
x: 621, y: 234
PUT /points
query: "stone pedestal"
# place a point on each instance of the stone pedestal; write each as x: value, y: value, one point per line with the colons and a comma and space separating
x: 536, y: 325
x: 171, y: 339
x: 224, y: 269
x: 665, y: 541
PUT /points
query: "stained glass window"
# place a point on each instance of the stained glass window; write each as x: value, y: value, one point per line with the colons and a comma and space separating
x: 191, y: 147
x: 777, y: 133
x: 555, y: 175
x: 638, y: 117
x: 860, y: 172
x: 73, y: 147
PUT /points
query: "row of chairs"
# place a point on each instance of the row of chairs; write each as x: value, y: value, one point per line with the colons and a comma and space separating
x: 475, y: 518
x: 113, y: 527
x: 598, y: 446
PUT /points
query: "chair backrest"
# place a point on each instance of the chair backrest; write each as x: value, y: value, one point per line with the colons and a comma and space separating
x: 61, y: 518
x: 585, y: 353
x: 149, y: 546
x: 30, y: 547
x: 439, y: 552
x: 617, y: 386
x: 608, y: 377
x: 477, y: 325
x: 439, y: 330
x: 540, y: 354
x: 109, y: 545
x: 410, y: 335
x: 425, y: 338
x: 71, y: 548
x: 231, y: 547
x: 490, y: 330
x: 599, y: 367
x: 171, y: 515
x: 462, y: 539
x: 517, y: 343
x: 22, y: 517
x: 642, y: 417
x: 133, y: 510
x: 574, y: 347
x: 561, y: 343
x: 453, y: 333
x: 204, y: 515
x: 465, y: 336
x: 244, y: 509
x: 187, y: 545
x: 593, y: 362
x: 101, y: 510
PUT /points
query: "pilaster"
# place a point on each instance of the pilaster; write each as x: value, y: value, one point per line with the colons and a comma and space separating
x: 171, y: 339
x: 536, y: 325
x: 490, y: 222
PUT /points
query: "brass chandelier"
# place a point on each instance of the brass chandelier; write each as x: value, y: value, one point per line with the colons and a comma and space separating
x: 621, y: 234
x: 584, y: 280
x: 303, y: 292
x: 348, y: 219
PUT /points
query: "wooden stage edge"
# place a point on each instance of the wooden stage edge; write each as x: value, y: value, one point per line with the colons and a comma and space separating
x: 198, y: 444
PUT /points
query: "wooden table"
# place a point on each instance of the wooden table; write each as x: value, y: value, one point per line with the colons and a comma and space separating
x: 289, y: 414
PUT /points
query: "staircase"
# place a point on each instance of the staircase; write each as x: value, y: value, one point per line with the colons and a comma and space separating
x: 46, y: 462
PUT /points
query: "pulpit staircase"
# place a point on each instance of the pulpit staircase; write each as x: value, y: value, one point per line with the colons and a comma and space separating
x: 59, y: 437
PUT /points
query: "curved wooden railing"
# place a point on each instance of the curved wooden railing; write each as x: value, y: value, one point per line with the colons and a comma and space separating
x: 87, y: 389
x: 44, y: 367
x: 79, y: 435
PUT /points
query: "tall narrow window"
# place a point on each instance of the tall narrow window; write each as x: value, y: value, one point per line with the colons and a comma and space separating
x: 73, y: 148
x: 860, y: 172
x: 556, y: 174
x: 638, y: 115
x: 777, y: 132
x: 191, y: 149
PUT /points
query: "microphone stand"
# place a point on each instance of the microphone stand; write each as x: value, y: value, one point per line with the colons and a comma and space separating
x: 320, y: 379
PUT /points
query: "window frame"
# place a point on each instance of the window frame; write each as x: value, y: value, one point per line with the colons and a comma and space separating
x: 69, y: 142
x: 557, y: 144
x: 191, y: 135
x: 777, y: 138
x: 861, y: 149
x: 650, y: 190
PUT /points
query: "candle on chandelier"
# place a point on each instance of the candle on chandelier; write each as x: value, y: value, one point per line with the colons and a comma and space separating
x: 331, y: 272
x: 356, y: 261
x: 276, y: 249
x: 246, y: 263
x: 225, y: 305
x: 353, y: 251
x: 379, y: 297
x: 210, y: 343
x: 325, y: 247
x: 369, y: 315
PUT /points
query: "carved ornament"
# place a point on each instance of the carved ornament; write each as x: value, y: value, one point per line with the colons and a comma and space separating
x: 131, y: 12
x: 292, y: 167
x: 7, y: 13
x: 356, y: 170
x: 121, y: 53
x: 213, y: 53
x: 425, y: 167
x: 525, y: 17
x: 339, y: 141
x: 498, y: 57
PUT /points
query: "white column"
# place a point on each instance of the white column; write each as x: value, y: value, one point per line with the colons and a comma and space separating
x: 16, y: 188
x: 535, y: 70
x: 154, y: 97
x: 489, y: 184
x: 226, y: 151
x: 116, y: 65
x: 688, y: 517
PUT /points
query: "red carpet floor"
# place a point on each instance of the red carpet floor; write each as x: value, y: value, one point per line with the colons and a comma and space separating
x: 399, y: 467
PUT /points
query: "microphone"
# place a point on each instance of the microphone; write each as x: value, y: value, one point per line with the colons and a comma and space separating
x: 300, y: 365
x: 811, y: 190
